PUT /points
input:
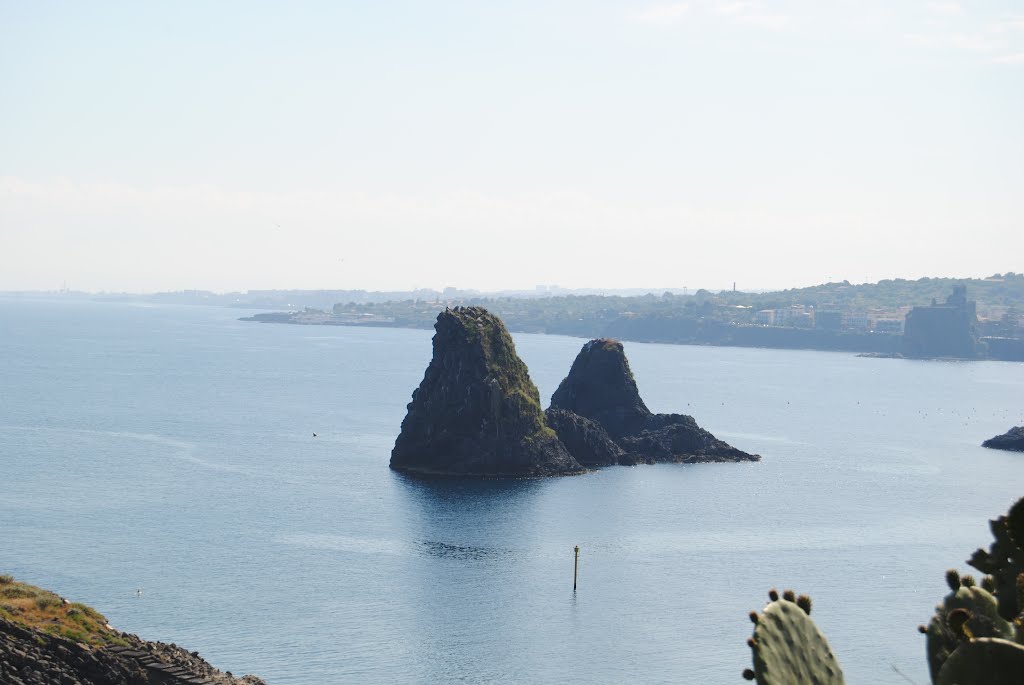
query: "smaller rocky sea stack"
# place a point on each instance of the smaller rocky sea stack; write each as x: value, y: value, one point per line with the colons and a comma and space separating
x: 1012, y: 440
x: 599, y: 415
x: 477, y: 413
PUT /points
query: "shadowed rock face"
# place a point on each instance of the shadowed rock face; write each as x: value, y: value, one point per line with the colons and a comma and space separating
x: 600, y: 387
x: 1012, y: 440
x: 477, y: 413
x: 586, y: 441
x: 601, y: 391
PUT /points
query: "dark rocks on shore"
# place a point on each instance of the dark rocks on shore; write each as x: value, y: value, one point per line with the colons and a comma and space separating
x: 32, y: 657
x: 600, y: 396
x: 476, y: 412
x: 1012, y: 440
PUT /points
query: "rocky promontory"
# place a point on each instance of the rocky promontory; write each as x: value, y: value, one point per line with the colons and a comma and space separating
x: 599, y: 404
x: 476, y: 412
x: 1012, y: 440
x: 47, y: 640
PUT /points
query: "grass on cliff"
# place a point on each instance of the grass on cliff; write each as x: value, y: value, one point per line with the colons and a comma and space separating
x: 504, y: 365
x: 33, y: 607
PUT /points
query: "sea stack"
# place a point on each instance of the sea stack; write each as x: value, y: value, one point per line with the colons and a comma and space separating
x: 1012, y: 440
x: 477, y: 413
x: 600, y: 390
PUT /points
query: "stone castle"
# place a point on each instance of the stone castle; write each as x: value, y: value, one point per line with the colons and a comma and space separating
x: 943, y: 330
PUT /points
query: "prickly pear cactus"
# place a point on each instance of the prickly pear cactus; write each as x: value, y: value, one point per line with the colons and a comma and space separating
x: 788, y: 648
x: 984, y: 661
x: 967, y: 613
x: 1005, y: 559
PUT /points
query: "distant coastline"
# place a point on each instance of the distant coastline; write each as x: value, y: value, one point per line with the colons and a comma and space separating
x: 867, y: 344
x: 975, y: 318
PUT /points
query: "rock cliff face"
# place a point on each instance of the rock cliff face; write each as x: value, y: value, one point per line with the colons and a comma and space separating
x: 477, y: 413
x: 1012, y: 440
x: 33, y: 657
x: 46, y: 640
x: 600, y: 388
x: 586, y: 440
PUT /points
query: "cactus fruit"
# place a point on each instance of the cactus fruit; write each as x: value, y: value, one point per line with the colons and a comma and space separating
x: 984, y: 661
x: 1004, y: 560
x: 966, y: 614
x: 804, y: 602
x: 788, y: 595
x: 788, y: 648
x: 967, y: 581
x: 953, y: 579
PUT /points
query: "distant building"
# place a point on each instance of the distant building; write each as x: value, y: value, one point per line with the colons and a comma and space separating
x: 856, y: 322
x: 765, y: 317
x: 888, y: 326
x: 828, y: 320
x: 943, y: 330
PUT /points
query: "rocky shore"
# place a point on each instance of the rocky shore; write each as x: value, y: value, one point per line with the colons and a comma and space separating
x: 47, y: 640
x: 1012, y: 440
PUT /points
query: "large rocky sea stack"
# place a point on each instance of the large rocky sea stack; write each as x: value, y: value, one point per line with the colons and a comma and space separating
x: 599, y: 415
x: 1012, y: 440
x: 477, y: 413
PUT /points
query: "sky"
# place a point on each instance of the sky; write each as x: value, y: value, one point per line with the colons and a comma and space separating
x: 492, y: 145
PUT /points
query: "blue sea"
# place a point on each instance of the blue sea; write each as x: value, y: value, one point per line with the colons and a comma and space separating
x: 170, y: 449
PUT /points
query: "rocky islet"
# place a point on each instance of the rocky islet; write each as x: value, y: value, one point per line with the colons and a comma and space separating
x: 477, y: 413
x: 1012, y: 440
x: 601, y: 388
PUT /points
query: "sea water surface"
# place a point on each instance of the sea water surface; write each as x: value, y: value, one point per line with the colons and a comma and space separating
x: 171, y: 449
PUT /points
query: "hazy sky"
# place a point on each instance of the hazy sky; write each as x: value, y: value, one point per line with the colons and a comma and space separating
x: 388, y: 145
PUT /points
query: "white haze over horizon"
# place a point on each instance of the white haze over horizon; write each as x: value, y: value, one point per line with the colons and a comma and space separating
x: 388, y: 146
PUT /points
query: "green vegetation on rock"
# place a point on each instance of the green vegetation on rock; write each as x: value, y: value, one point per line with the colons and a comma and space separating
x: 33, y: 607
x: 477, y: 412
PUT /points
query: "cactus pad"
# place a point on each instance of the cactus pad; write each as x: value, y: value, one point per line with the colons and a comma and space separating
x: 984, y: 661
x: 789, y: 649
x: 968, y: 613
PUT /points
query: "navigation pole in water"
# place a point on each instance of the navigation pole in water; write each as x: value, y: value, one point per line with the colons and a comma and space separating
x: 575, y: 567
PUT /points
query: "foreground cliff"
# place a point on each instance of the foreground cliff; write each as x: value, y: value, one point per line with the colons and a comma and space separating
x: 1012, y: 440
x: 47, y: 640
x: 599, y: 415
x: 477, y: 413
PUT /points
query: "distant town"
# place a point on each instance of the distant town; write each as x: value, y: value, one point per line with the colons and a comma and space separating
x: 928, y: 318
x: 924, y: 318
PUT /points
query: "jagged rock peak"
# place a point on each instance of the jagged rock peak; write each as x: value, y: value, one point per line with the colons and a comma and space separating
x: 600, y: 386
x: 477, y: 412
x: 599, y: 416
